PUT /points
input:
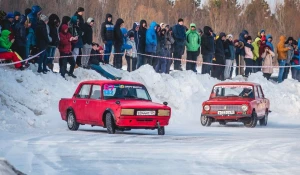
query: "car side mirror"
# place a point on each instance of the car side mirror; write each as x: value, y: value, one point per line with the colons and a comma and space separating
x: 165, y: 103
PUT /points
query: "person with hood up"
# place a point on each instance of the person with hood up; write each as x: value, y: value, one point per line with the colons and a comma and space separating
x: 290, y: 54
x: 6, y: 53
x: 248, y: 56
x: 118, y: 43
x: 20, y: 37
x: 16, y: 20
x: 65, y: 20
x: 241, y: 57
x: 6, y: 23
x: 135, y: 31
x: 107, y: 35
x: 263, y: 35
x: 42, y: 39
x: 87, y: 41
x: 229, y: 55
x: 141, y: 45
x: 65, y: 50
x: 169, y: 48
x: 151, y: 42
x: 282, y: 52
x: 256, y: 45
x: 267, y: 56
x: 33, y: 16
x: 179, y: 45
x: 30, y: 37
x: 207, y: 49
x: 239, y: 46
x: 161, y: 66
x: 53, y: 25
x: 269, y: 42
x: 131, y: 54
x: 296, y: 61
x: 218, y: 71
x: 261, y: 51
x: 193, y: 42
x: 76, y: 31
x: 79, y: 13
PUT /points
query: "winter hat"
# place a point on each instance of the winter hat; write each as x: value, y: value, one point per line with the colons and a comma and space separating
x: 180, y: 20
x: 16, y: 13
x: 10, y: 15
x: 90, y: 19
x: 222, y: 34
x: 64, y: 27
x: 229, y: 36
x: 95, y: 44
x: 249, y: 38
x: 131, y: 34
x: 235, y: 41
x: 80, y: 9
x: 262, y: 31
x: 27, y: 11
x: 161, y: 24
x: 44, y: 17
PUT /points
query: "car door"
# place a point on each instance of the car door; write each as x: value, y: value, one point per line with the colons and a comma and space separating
x: 264, y: 102
x: 260, y: 103
x: 257, y: 101
x: 81, y: 103
x: 95, y: 107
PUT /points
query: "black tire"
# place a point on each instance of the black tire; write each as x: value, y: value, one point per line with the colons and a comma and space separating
x: 205, y: 121
x: 110, y: 124
x: 71, y: 121
x: 264, y: 121
x: 252, y: 122
x: 223, y: 123
x: 161, y: 130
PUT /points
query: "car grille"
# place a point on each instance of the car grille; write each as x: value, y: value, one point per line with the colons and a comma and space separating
x: 226, y: 107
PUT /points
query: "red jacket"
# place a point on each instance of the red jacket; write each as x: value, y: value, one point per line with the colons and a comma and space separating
x: 65, y: 45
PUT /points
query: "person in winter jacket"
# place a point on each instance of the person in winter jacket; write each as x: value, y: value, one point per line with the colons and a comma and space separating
x: 33, y: 16
x: 263, y: 35
x: 267, y: 56
x: 42, y: 43
x: 87, y: 41
x: 239, y: 45
x: 248, y: 56
x: 141, y: 45
x: 168, y: 48
x: 151, y: 42
x: 6, y: 53
x: 261, y: 51
x: 296, y: 61
x: 79, y: 13
x: 161, y: 66
x: 269, y: 42
x: 207, y: 49
x: 65, y: 20
x: 107, y: 35
x: 75, y: 30
x: 16, y: 20
x: 65, y: 50
x: 20, y: 37
x: 290, y: 54
x: 135, y: 31
x: 229, y: 55
x: 256, y: 45
x: 131, y: 54
x: 241, y: 57
x: 193, y: 42
x: 158, y: 46
x: 282, y: 51
x: 6, y: 23
x: 118, y: 43
x: 30, y: 37
x: 218, y: 71
x: 53, y: 25
x: 179, y: 45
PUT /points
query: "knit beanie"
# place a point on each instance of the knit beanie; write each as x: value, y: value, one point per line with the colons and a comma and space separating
x: 80, y: 9
x: 44, y: 17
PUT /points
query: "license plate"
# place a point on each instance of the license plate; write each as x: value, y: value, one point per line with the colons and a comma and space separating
x: 226, y: 112
x: 145, y: 113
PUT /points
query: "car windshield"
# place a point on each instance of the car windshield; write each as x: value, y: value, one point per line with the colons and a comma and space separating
x: 121, y: 91
x: 233, y: 91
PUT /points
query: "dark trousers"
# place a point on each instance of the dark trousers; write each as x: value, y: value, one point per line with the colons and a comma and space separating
x: 218, y: 71
x: 63, y: 62
x: 42, y: 62
x: 191, y: 56
x: 286, y: 71
x: 118, y: 57
x: 249, y: 62
x: 131, y: 62
x: 149, y: 58
x: 267, y: 76
x: 205, y: 67
x: 161, y: 66
x: 107, y: 51
x: 78, y: 58
x: 140, y: 61
x: 178, y: 52
x: 21, y: 50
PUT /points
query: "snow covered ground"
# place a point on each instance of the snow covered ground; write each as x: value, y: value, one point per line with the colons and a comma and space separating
x: 35, y: 140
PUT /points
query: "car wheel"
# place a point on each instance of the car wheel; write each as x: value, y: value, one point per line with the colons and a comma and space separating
x: 252, y: 122
x: 205, y: 121
x: 222, y: 123
x: 264, y: 121
x: 110, y: 125
x: 161, y: 130
x: 71, y: 121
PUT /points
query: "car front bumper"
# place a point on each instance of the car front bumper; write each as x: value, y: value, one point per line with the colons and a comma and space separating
x: 150, y: 122
x: 227, y: 117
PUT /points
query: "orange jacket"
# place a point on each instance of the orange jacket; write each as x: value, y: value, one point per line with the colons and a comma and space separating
x: 281, y: 49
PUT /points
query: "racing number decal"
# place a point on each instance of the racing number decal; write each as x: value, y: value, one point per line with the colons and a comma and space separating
x: 108, y: 89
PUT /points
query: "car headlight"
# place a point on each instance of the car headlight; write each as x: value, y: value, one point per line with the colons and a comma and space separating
x: 127, y: 112
x: 244, y: 108
x: 206, y: 107
x: 163, y: 112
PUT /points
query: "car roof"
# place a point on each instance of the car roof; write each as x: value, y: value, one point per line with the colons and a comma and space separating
x: 100, y: 82
x: 237, y: 83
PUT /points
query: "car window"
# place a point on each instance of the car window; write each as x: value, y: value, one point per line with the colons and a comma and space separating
x: 256, y: 92
x: 243, y: 91
x: 96, y: 92
x: 260, y: 92
x: 84, y: 91
x: 120, y: 91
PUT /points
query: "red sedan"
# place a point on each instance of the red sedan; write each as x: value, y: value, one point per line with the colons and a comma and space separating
x: 115, y: 105
x: 236, y: 102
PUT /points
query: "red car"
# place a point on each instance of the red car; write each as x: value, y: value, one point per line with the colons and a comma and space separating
x: 115, y: 105
x: 236, y: 102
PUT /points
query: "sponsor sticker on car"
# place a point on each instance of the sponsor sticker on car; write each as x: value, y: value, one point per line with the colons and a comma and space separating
x: 145, y: 113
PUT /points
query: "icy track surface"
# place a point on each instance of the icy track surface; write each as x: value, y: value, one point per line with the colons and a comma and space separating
x: 35, y: 140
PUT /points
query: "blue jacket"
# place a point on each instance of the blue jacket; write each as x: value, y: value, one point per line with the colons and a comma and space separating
x: 297, y: 57
x: 33, y: 16
x: 151, y: 40
x: 30, y: 38
x: 125, y: 46
x: 179, y: 34
x: 242, y: 38
x: 269, y: 43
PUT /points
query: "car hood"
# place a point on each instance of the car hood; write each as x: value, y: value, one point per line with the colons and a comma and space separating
x: 140, y: 104
x: 230, y: 100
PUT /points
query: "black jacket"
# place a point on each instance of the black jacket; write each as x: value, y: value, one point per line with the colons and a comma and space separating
x: 136, y: 34
x: 220, y: 47
x: 20, y: 32
x: 207, y: 42
x: 142, y: 38
x: 107, y: 29
x: 87, y: 34
x: 95, y: 59
x: 54, y: 34
x: 227, y: 49
x: 41, y: 33
x: 6, y: 24
x: 81, y: 21
x: 118, y: 36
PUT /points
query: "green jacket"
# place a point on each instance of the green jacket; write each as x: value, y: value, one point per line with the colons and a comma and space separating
x: 4, y: 40
x: 193, y: 39
x: 256, y: 48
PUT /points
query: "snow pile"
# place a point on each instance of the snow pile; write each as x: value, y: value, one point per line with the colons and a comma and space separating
x: 30, y: 100
x: 8, y: 169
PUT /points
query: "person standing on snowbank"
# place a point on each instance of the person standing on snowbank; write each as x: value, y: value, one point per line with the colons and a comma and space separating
x: 179, y: 45
x: 107, y: 35
x: 118, y: 43
x: 193, y: 42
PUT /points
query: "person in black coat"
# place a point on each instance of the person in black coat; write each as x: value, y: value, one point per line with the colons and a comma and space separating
x: 141, y: 45
x: 218, y: 71
x: 118, y: 37
x: 42, y: 40
x: 107, y: 35
x: 53, y: 24
x: 21, y: 37
x: 179, y: 31
x: 79, y: 13
x: 207, y: 49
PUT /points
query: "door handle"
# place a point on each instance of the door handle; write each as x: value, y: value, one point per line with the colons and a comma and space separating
x: 74, y: 101
x: 87, y: 102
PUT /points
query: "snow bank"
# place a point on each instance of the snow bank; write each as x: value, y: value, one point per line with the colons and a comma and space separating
x: 8, y: 169
x: 29, y: 101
